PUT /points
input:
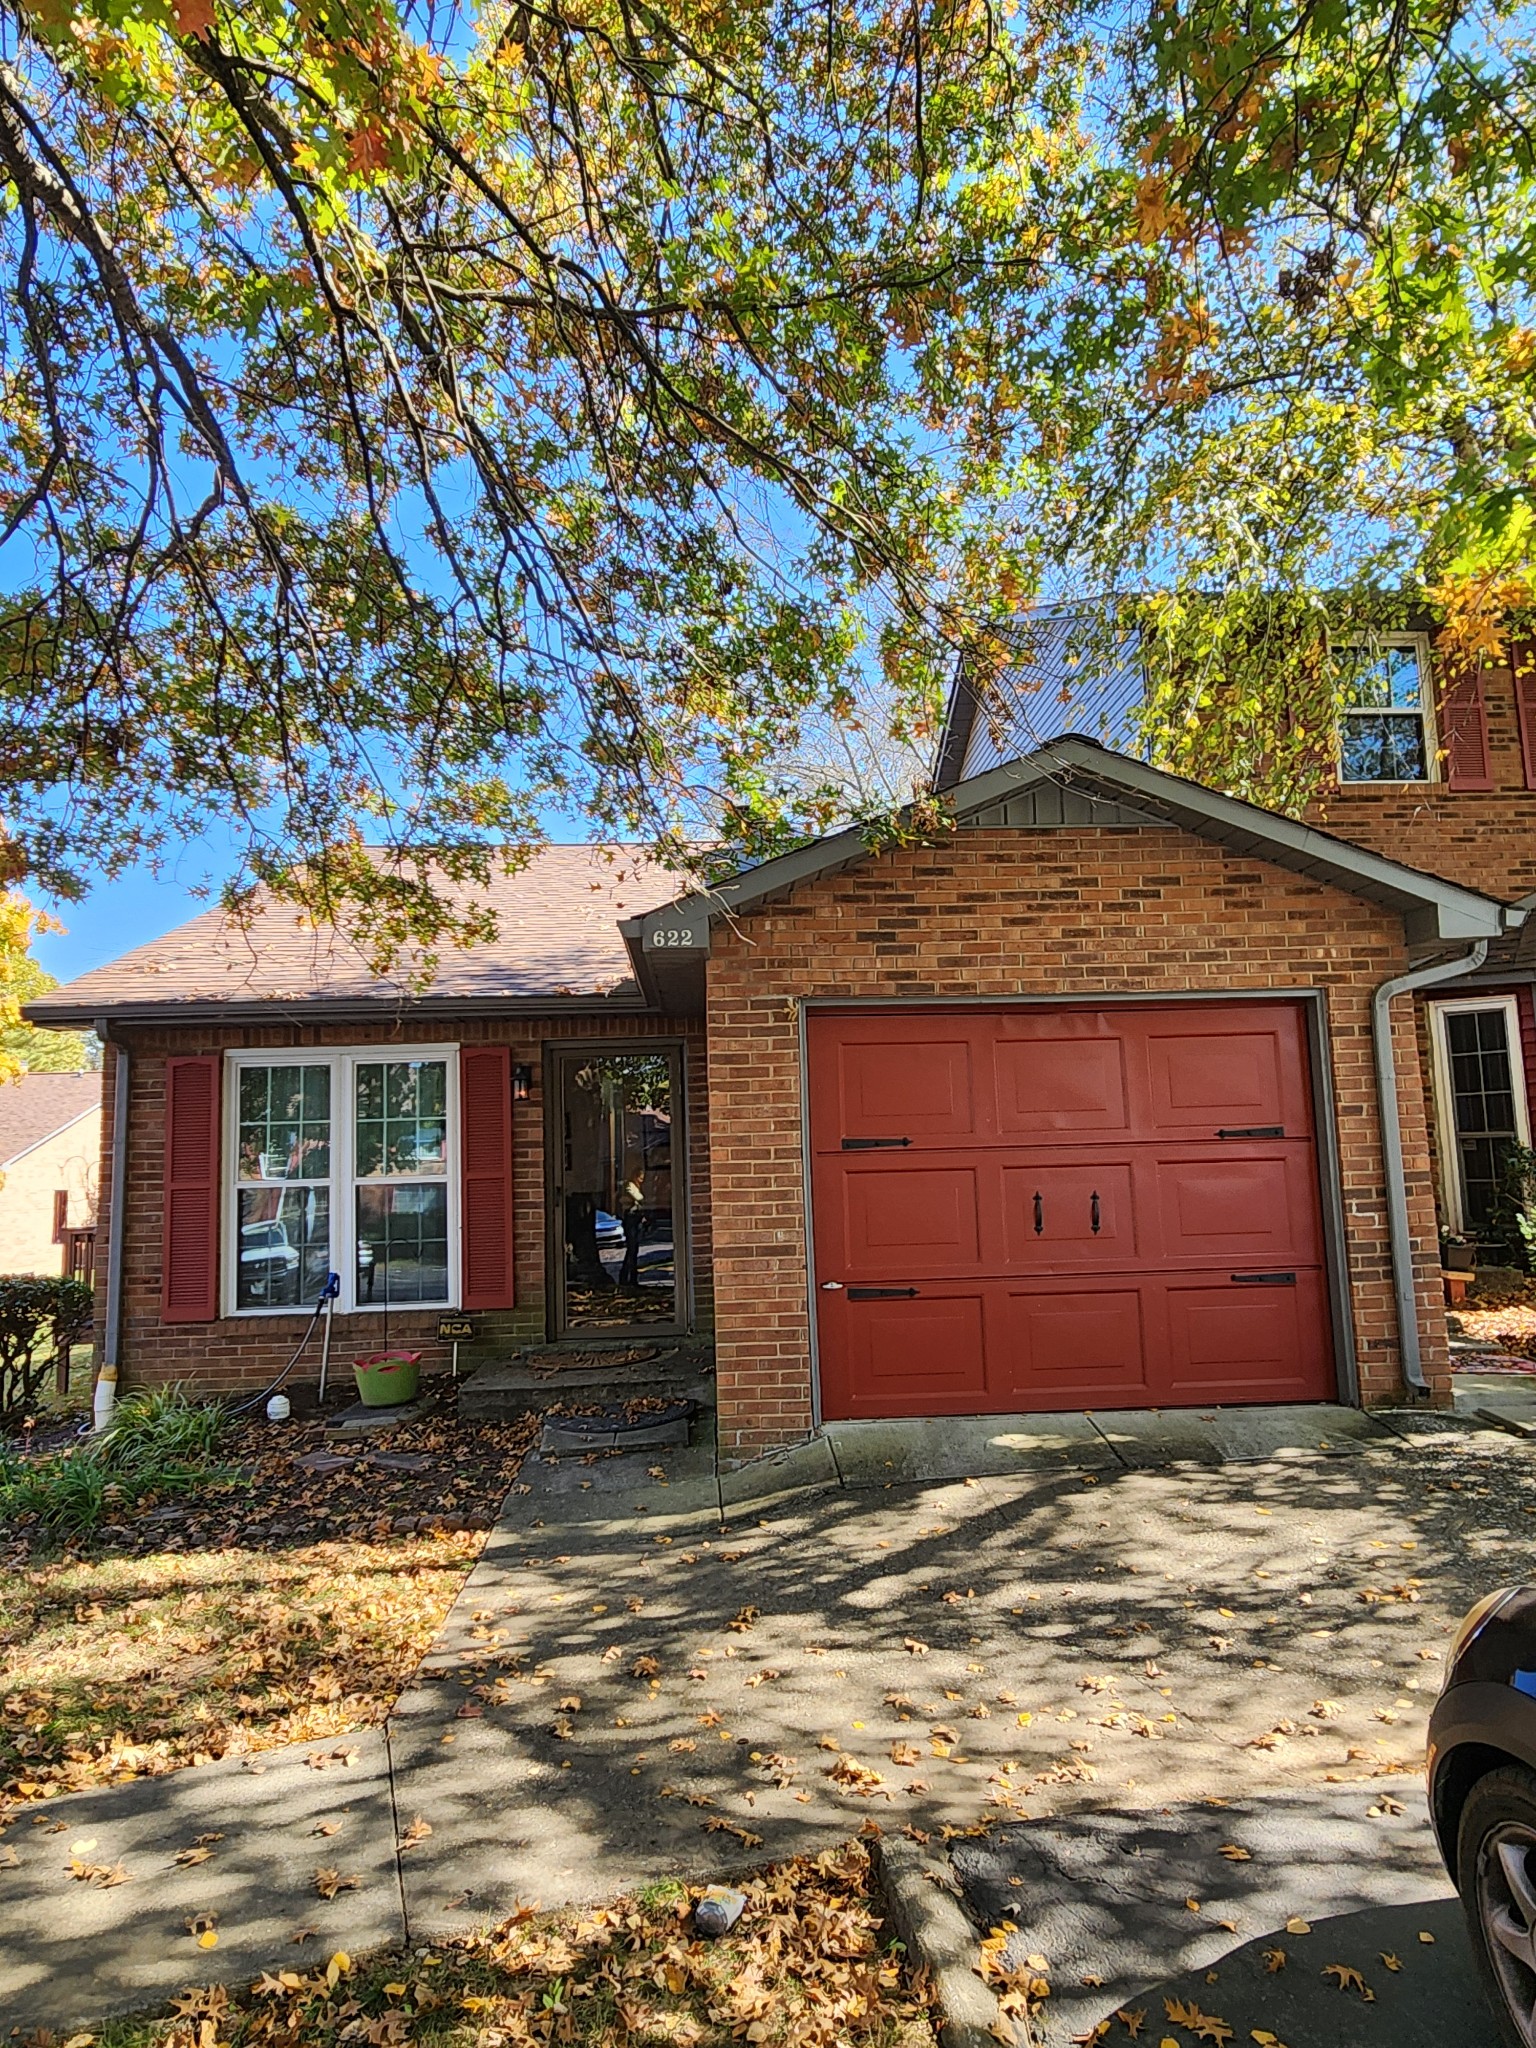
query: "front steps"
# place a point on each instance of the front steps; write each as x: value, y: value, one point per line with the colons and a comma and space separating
x: 556, y: 1376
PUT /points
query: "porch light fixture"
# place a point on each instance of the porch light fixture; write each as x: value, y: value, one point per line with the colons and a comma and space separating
x: 522, y: 1083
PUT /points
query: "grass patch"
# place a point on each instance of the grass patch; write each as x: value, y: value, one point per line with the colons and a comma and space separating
x: 159, y: 1444
x: 807, y: 1966
x: 290, y: 1606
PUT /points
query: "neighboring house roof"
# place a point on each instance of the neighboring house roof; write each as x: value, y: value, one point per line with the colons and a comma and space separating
x: 36, y: 1107
x: 557, y: 945
x: 1075, y: 781
x: 1072, y: 675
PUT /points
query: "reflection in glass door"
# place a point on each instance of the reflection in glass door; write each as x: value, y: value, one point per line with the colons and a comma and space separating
x: 616, y: 1138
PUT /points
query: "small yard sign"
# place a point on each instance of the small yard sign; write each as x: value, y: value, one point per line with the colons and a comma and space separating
x: 455, y: 1328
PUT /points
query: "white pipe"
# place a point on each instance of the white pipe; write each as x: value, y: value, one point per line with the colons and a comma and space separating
x: 325, y: 1347
x: 1399, y: 1231
x: 117, y: 1200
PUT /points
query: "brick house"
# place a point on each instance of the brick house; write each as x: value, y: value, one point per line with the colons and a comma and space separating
x: 1081, y: 1106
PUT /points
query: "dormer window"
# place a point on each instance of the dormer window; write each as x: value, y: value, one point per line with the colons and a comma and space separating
x: 1386, y: 724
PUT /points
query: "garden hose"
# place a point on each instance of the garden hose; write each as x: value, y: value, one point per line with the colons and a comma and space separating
x: 328, y: 1293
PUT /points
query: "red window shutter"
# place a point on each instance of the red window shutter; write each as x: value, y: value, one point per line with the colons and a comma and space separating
x: 1522, y: 659
x: 190, y: 1274
x: 485, y: 1127
x: 1464, y: 724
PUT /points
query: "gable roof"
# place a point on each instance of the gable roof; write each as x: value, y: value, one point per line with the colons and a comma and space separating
x: 1068, y: 676
x: 37, y: 1106
x: 557, y: 946
x: 1075, y: 780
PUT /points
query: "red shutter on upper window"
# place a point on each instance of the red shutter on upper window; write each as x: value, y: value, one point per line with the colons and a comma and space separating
x: 190, y: 1275
x: 1522, y: 659
x: 485, y: 1140
x: 1464, y: 723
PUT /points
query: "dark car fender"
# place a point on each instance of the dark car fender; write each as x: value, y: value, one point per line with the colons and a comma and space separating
x: 1475, y: 1728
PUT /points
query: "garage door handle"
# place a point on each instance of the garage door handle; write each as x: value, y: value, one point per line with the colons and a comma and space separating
x: 881, y: 1293
x: 1039, y: 1215
x: 1254, y: 1131
x: 872, y: 1144
x: 1263, y: 1279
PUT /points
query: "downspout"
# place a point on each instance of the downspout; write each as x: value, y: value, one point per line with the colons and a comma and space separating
x: 117, y: 1198
x: 1399, y: 1235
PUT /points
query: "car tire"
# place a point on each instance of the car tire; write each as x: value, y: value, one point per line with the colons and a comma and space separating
x: 1496, y: 1875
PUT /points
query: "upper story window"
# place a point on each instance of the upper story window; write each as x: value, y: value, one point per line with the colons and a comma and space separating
x: 1386, y: 720
x: 342, y: 1161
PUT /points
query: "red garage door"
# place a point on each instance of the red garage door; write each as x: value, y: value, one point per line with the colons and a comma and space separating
x: 1067, y: 1208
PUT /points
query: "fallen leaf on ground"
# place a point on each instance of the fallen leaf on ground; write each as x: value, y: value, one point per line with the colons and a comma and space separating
x: 1205, y: 2026
x: 1349, y: 1978
x: 329, y: 1882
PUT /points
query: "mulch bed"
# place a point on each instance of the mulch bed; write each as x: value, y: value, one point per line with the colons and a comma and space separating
x: 296, y: 1483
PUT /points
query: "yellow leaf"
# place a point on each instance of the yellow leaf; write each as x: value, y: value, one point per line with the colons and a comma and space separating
x: 208, y: 1938
x: 1298, y: 1926
x: 1424, y: 1936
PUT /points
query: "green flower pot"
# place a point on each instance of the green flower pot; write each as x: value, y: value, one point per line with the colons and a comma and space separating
x: 387, y: 1379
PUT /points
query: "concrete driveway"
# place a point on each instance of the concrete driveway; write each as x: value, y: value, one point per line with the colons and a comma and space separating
x: 1133, y: 1612
x: 655, y: 1693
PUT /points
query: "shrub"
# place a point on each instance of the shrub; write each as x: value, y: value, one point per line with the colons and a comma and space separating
x: 1515, y: 1215
x: 159, y: 1442
x: 41, y: 1316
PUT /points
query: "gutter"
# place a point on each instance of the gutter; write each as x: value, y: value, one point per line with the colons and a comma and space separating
x: 1399, y: 1234
x: 117, y: 1199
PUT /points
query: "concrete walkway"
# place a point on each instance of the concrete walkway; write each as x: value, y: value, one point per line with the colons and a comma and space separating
x: 656, y: 1669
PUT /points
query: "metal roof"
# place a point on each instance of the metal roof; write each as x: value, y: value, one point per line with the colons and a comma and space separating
x: 1074, y: 673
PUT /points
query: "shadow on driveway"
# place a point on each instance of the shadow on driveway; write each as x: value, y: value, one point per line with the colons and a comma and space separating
x: 1433, y: 2001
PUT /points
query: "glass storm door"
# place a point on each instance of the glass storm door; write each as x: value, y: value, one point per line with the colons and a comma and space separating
x: 617, y: 1164
x: 1483, y: 1104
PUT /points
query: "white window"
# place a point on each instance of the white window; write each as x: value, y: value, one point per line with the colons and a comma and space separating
x: 344, y: 1161
x: 1386, y: 717
x: 1480, y: 1103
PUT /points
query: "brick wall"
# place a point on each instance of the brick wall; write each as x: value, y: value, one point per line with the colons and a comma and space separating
x: 245, y: 1351
x: 1026, y: 912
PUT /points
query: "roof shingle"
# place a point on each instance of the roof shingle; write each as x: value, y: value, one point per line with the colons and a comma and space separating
x: 34, y: 1106
x: 557, y: 936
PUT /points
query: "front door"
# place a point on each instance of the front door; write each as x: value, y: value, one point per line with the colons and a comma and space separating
x: 617, y: 1167
x: 1034, y: 1208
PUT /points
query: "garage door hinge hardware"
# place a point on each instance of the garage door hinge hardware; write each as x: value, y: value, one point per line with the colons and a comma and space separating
x: 881, y: 1293
x: 1253, y: 1131
x: 1264, y: 1279
x: 872, y: 1144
